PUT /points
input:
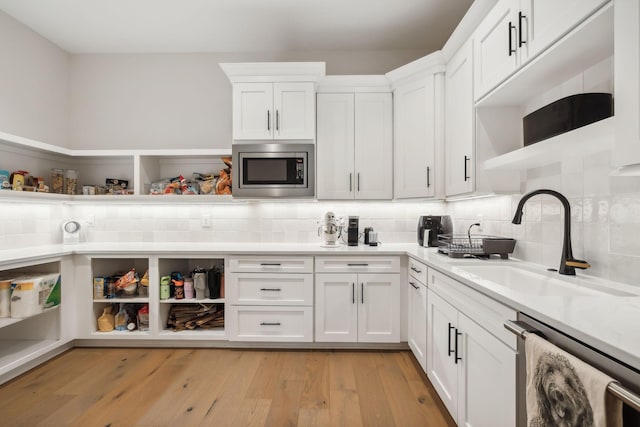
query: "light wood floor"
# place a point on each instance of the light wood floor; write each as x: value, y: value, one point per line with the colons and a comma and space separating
x: 221, y: 387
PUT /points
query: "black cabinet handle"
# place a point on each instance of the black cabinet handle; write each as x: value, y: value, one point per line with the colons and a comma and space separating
x: 449, y: 340
x: 428, y: 176
x: 358, y: 182
x: 466, y: 160
x: 362, y: 293
x: 416, y: 270
x: 271, y: 289
x: 269, y: 120
x: 456, y: 351
x: 511, y: 27
x: 356, y: 264
x: 269, y: 323
x: 278, y: 120
x: 413, y: 285
x: 353, y: 293
x: 350, y: 182
x: 270, y: 264
x: 521, y: 17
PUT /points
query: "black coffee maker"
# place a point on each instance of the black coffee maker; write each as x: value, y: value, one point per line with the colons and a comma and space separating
x: 433, y: 225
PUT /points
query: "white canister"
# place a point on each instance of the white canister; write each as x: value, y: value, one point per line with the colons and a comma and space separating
x: 5, y: 298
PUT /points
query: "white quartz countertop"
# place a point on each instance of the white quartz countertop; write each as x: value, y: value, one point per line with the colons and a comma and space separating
x: 609, y: 323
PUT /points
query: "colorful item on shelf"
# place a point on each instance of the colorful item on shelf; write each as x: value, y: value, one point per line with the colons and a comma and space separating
x: 165, y: 287
x: 143, y: 318
x: 33, y: 293
x: 179, y: 288
x: 5, y: 183
x: 106, y: 322
x: 98, y: 287
x: 121, y: 319
x: 58, y: 181
x: 18, y: 180
x: 188, y: 288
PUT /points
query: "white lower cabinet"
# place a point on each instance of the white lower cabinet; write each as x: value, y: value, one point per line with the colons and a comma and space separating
x: 472, y: 369
x: 356, y: 307
x: 417, y: 304
x: 270, y: 299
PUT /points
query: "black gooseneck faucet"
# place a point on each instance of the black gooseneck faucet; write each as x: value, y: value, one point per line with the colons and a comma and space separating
x: 568, y: 263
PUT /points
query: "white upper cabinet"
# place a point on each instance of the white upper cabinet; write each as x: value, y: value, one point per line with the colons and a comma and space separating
x: 354, y: 146
x: 496, y: 49
x: 274, y: 100
x: 543, y: 22
x: 459, y: 129
x: 273, y: 110
x: 335, y: 147
x: 418, y: 127
x: 516, y: 31
x: 626, y: 153
x: 295, y: 112
x: 252, y: 106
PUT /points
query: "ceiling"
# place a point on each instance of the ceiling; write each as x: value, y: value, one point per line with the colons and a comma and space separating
x: 140, y: 26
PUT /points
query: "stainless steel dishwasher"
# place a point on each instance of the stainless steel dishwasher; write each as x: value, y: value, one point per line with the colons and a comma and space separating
x: 629, y: 377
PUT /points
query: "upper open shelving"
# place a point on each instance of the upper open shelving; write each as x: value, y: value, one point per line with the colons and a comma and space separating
x: 139, y: 166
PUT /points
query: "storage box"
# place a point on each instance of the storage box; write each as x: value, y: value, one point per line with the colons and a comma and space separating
x: 33, y: 293
x: 566, y: 114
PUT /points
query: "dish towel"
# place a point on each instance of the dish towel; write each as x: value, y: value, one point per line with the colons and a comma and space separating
x: 564, y: 391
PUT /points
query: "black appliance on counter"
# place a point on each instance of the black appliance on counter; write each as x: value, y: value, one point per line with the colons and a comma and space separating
x: 352, y: 231
x: 433, y: 225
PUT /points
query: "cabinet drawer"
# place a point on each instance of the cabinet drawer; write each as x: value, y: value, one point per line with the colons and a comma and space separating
x: 270, y: 289
x: 351, y: 264
x: 248, y: 323
x: 418, y: 271
x: 259, y: 264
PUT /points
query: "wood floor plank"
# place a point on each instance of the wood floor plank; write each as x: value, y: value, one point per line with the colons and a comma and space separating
x: 374, y: 407
x: 315, y: 394
x: 223, y: 387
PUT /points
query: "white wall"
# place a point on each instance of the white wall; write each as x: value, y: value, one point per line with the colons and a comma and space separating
x: 178, y: 100
x: 34, y: 85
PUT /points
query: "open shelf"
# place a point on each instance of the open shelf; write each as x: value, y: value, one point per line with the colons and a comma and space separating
x: 124, y: 300
x: 192, y: 301
x: 121, y: 334
x: 16, y: 352
x: 589, y: 139
x: 8, y: 321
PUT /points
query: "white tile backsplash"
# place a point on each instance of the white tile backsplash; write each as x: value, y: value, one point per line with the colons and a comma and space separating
x: 605, y: 217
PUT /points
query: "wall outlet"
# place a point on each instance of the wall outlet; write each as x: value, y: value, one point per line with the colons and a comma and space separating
x: 91, y: 220
x: 205, y: 221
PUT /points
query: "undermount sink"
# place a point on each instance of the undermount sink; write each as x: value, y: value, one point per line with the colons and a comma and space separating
x: 524, y: 280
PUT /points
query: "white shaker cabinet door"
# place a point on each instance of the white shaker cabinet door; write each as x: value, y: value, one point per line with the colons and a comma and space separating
x: 373, y: 146
x: 417, y: 336
x: 545, y: 21
x: 487, y: 378
x: 441, y: 335
x: 414, y: 139
x: 294, y: 109
x: 627, y: 84
x: 253, y: 111
x: 335, y: 148
x: 460, y: 128
x: 378, y: 307
x: 336, y: 308
x: 496, y: 47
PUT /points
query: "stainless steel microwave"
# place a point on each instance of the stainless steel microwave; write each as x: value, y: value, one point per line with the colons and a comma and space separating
x: 273, y: 170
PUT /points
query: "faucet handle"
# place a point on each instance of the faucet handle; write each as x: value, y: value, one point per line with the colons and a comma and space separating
x: 577, y: 263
